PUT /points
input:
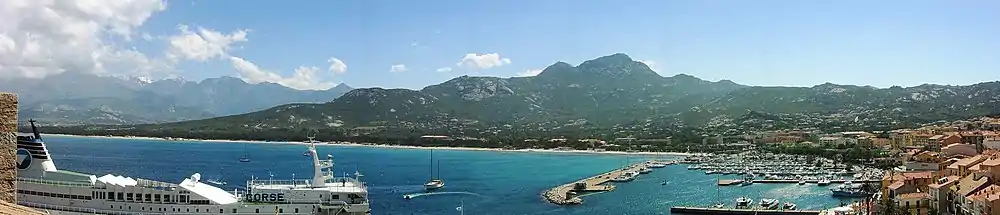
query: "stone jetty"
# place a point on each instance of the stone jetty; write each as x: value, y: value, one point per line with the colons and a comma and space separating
x: 568, y: 194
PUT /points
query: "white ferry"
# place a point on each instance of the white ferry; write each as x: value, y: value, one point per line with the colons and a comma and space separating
x: 40, y: 185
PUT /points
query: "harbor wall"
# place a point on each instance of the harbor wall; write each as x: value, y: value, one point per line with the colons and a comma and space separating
x: 8, y: 147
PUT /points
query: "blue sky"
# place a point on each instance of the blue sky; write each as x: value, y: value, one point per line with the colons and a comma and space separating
x: 764, y: 42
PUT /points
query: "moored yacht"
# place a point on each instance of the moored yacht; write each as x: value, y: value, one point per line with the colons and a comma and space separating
x: 823, y: 182
x: 769, y: 203
x: 645, y: 170
x: 626, y: 176
x: 743, y: 202
x: 656, y: 165
x: 789, y: 206
x: 42, y: 186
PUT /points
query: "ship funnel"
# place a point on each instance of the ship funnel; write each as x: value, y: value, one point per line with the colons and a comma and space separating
x: 32, y: 156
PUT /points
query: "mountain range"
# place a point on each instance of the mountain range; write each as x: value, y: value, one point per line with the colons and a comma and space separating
x: 612, y: 95
x: 71, y: 98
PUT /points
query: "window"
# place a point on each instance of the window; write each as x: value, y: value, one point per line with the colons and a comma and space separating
x: 121, y: 196
x: 281, y: 210
x: 156, y: 197
x: 234, y: 210
x: 128, y: 197
x: 149, y: 197
x: 166, y: 198
x: 296, y: 210
x: 336, y: 196
x: 220, y: 211
x: 257, y: 210
x: 111, y: 196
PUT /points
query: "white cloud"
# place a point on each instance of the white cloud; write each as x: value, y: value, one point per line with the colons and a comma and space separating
x: 529, y: 73
x: 337, y: 66
x: 203, y: 44
x: 398, y: 68
x: 444, y: 69
x: 305, y: 77
x: 40, y: 38
x: 482, y: 61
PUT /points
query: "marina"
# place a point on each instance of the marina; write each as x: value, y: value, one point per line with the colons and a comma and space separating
x: 734, y: 211
x: 727, y: 182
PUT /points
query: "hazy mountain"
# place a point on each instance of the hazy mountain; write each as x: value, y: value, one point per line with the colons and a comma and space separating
x: 78, y: 98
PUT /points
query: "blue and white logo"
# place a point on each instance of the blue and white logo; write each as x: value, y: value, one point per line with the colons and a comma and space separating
x: 23, y: 159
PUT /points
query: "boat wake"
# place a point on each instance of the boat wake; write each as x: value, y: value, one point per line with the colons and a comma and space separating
x: 415, y: 195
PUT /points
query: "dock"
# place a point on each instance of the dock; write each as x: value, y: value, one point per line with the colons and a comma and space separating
x: 567, y: 194
x: 732, y: 211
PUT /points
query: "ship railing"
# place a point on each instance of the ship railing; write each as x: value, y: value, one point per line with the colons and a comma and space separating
x: 57, y: 183
x: 77, y: 209
x: 334, y: 181
x: 281, y: 182
x: 145, y: 183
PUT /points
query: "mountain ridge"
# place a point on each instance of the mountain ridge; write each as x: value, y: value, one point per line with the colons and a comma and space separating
x: 609, y: 96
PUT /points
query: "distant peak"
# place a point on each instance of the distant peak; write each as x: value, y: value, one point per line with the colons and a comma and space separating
x: 617, y: 58
x: 560, y: 64
x: 726, y: 81
x: 343, y: 85
x: 682, y: 75
x: 556, y: 68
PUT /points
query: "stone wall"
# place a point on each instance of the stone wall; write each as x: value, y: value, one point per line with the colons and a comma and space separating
x: 8, y: 146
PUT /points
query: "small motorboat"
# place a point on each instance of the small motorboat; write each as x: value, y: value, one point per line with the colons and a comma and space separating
x: 720, y: 206
x: 823, y: 182
x: 769, y: 203
x: 788, y: 206
x: 663, y: 183
x: 407, y: 197
x: 743, y: 202
x: 216, y: 182
x: 802, y: 182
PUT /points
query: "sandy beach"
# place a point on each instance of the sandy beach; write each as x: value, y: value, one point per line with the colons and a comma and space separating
x: 385, y: 146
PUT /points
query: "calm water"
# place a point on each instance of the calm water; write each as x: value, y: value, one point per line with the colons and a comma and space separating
x: 487, y: 182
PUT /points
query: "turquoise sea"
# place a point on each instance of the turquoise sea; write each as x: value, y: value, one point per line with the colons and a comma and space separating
x: 486, y: 182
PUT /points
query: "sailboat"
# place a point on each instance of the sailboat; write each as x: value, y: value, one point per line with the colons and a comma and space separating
x: 245, y: 158
x: 434, y: 183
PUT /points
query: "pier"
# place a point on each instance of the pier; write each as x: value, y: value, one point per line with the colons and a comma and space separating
x: 568, y: 194
x: 731, y: 211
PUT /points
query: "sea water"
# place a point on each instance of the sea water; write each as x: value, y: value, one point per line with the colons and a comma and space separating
x: 481, y: 182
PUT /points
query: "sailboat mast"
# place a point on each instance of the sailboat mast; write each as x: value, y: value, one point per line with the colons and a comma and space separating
x: 432, y: 164
x: 718, y: 190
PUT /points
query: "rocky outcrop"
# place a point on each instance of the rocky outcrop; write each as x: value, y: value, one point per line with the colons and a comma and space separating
x: 8, y: 143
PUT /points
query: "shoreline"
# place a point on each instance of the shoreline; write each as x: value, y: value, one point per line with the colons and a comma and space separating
x: 385, y: 146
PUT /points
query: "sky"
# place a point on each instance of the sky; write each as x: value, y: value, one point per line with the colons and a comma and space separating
x: 314, y: 44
